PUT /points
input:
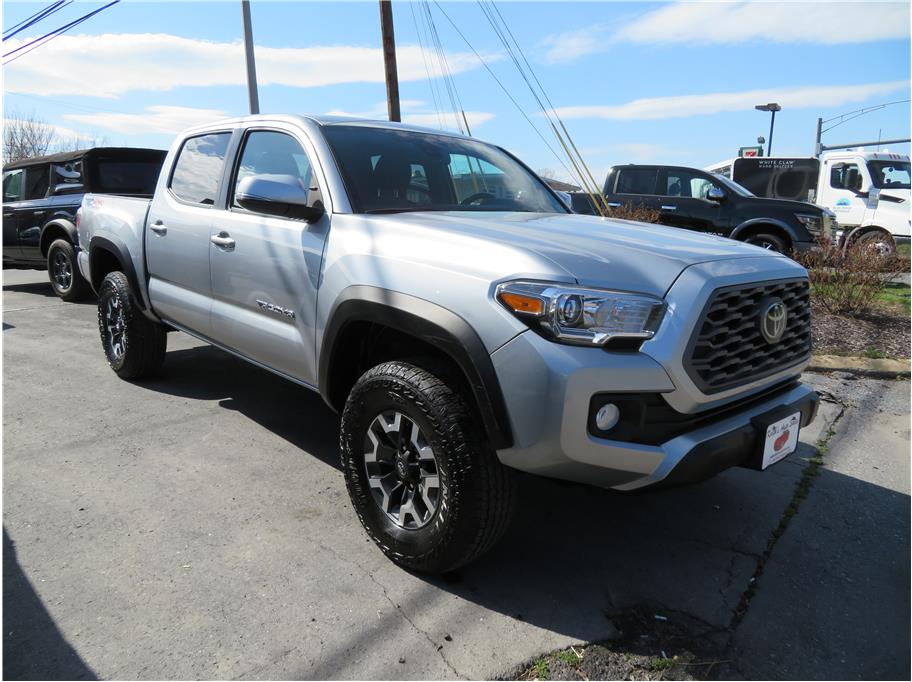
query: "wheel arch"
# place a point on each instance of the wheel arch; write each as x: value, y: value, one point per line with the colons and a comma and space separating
x: 760, y: 225
x: 370, y: 325
x: 856, y: 232
x: 107, y: 255
x: 59, y: 228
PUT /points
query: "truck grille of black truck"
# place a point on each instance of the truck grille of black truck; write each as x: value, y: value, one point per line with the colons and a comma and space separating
x: 728, y: 348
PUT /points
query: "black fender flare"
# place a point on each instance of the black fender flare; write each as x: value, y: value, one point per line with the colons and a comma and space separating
x: 44, y: 242
x: 118, y: 249
x: 753, y: 222
x: 432, y: 324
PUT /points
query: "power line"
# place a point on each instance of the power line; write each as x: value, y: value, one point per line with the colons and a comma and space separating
x: 502, y: 87
x: 48, y: 37
x: 427, y: 68
x: 448, y: 80
x: 35, y: 18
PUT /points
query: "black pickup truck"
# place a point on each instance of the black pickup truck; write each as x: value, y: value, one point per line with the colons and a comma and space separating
x: 41, y: 196
x: 696, y: 200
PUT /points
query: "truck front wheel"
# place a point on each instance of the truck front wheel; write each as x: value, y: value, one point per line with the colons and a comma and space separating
x: 768, y: 241
x: 427, y: 487
x: 133, y: 344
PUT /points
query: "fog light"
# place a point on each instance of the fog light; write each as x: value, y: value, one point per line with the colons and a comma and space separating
x: 607, y: 416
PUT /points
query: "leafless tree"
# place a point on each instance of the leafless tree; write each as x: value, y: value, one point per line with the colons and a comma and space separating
x: 25, y: 135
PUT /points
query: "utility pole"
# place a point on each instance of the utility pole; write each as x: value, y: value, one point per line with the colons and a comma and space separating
x: 251, y: 64
x: 389, y: 60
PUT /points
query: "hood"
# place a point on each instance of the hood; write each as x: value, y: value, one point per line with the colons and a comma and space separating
x: 786, y: 205
x: 598, y: 252
x: 896, y: 194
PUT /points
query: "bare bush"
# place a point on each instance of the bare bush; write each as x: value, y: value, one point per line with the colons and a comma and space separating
x: 847, y: 282
x: 640, y: 213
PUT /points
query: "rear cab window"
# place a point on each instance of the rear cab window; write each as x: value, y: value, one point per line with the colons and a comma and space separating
x: 636, y: 181
x: 198, y: 168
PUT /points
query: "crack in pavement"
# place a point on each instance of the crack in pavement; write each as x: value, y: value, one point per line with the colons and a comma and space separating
x: 398, y: 608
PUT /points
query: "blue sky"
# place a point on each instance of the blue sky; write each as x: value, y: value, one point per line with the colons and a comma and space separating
x: 635, y: 82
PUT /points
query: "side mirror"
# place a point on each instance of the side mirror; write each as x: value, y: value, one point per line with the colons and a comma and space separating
x: 715, y: 194
x: 852, y: 179
x: 67, y: 188
x: 280, y: 195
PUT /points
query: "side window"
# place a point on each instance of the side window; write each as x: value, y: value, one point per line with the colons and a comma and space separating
x: 271, y: 153
x: 845, y: 176
x: 684, y: 183
x: 67, y: 173
x: 12, y: 185
x: 36, y: 181
x: 198, y: 168
x: 636, y: 181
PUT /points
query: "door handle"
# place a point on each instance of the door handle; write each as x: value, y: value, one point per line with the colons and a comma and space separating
x: 669, y: 208
x: 222, y: 240
x: 614, y: 204
x: 158, y: 228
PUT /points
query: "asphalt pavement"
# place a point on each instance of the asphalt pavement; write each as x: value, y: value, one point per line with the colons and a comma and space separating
x: 197, y: 526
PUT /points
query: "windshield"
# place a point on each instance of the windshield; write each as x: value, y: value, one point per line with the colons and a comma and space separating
x: 390, y: 171
x: 889, y: 174
x: 733, y: 186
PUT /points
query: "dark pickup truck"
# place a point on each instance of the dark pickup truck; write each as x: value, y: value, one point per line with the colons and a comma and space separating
x: 41, y: 196
x: 696, y: 200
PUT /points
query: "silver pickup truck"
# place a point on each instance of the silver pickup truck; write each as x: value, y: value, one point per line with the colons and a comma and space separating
x: 441, y: 297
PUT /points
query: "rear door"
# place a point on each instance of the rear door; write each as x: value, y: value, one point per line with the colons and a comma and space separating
x: 178, y: 229
x: 265, y: 269
x: 33, y: 211
x: 13, y: 187
x: 634, y: 186
x: 683, y: 203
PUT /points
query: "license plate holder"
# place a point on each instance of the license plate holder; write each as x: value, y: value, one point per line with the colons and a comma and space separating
x: 778, y: 433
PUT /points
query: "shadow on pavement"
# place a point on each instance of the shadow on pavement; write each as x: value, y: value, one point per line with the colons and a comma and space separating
x: 43, y: 289
x: 293, y: 412
x: 33, y: 647
x: 576, y: 555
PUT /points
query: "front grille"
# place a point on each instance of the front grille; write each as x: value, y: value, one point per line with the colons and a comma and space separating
x: 728, y: 349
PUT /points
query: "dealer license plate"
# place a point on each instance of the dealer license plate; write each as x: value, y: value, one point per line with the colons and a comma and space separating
x: 781, y: 439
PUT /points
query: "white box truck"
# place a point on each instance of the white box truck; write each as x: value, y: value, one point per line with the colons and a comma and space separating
x: 868, y: 191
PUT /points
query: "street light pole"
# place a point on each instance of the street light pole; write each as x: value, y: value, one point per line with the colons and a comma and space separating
x: 772, y: 107
x: 252, y: 93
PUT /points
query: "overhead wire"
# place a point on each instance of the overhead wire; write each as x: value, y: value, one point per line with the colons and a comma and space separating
x: 504, y: 89
x: 56, y: 33
x: 35, y: 18
x: 427, y: 69
x: 584, y: 174
x: 449, y: 82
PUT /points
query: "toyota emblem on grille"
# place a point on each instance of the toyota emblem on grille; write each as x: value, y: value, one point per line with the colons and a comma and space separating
x: 772, y: 321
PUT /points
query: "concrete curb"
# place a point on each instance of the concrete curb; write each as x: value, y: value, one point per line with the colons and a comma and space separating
x: 857, y: 365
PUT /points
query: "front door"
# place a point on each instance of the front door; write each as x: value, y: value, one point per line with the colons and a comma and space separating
x: 683, y: 201
x: 33, y: 211
x: 266, y: 270
x: 846, y: 180
x: 177, y: 233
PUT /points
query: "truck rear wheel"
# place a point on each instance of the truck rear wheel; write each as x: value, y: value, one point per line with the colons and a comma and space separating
x: 66, y: 280
x: 133, y: 344
x: 876, y: 241
x: 427, y: 487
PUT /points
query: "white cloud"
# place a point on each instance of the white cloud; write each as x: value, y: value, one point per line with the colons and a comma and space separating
x: 567, y: 46
x: 111, y: 64
x: 416, y: 112
x: 829, y: 23
x: 155, y: 119
x: 727, y: 23
x: 683, y: 106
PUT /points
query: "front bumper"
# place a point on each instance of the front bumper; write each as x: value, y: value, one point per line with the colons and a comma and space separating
x: 549, y: 388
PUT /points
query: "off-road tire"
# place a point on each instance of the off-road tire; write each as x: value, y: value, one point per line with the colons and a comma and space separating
x: 63, y: 272
x: 477, y: 493
x: 142, y: 341
x: 769, y: 241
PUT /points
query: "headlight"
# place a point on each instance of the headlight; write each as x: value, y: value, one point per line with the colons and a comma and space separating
x: 577, y: 315
x: 813, y: 223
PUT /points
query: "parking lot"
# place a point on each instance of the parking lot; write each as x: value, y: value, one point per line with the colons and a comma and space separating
x: 197, y: 526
